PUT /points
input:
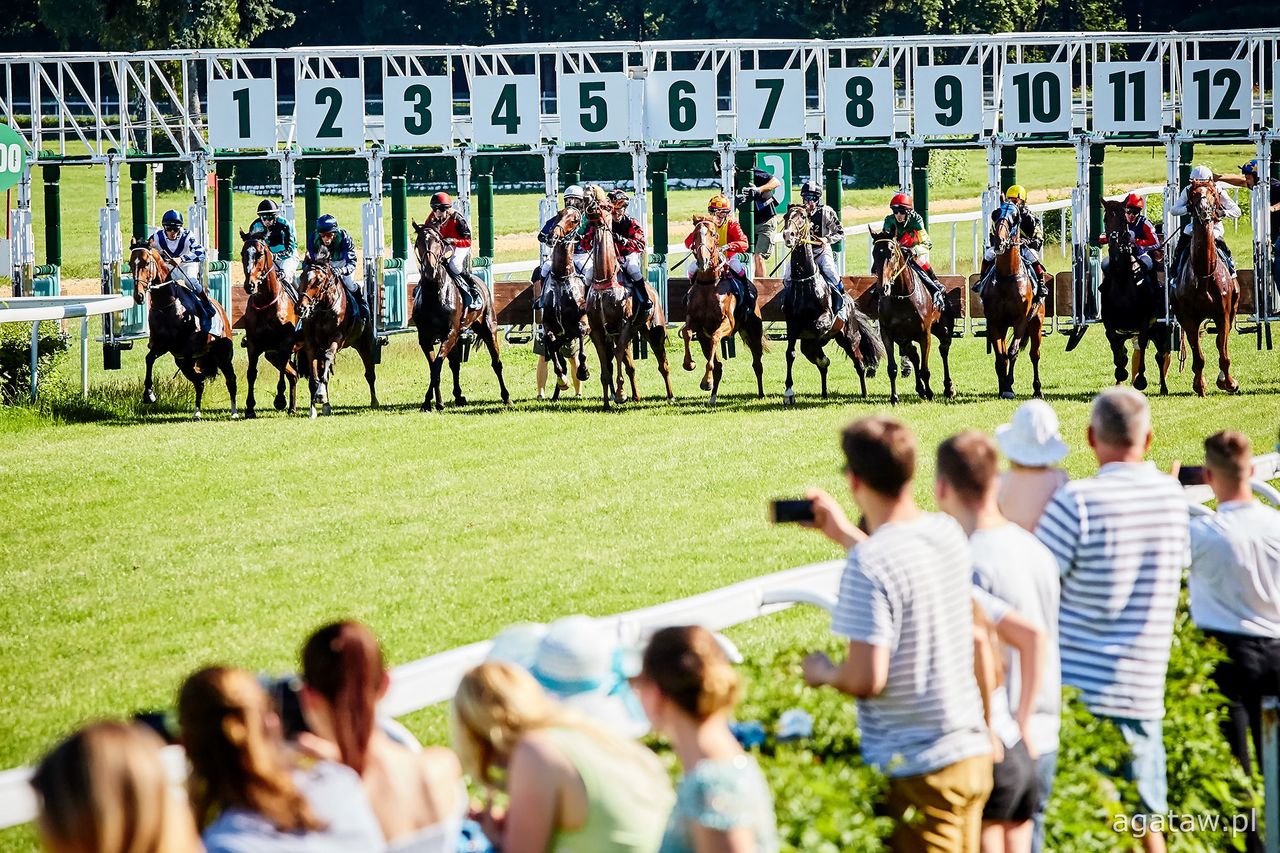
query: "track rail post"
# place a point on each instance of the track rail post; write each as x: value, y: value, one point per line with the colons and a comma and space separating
x: 140, y: 187
x: 920, y: 185
x: 110, y: 253
x: 52, y: 215
x: 225, y: 183
x: 399, y: 209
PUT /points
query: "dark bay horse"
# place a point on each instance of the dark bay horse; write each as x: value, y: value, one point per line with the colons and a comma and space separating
x: 441, y: 319
x: 1206, y: 289
x: 564, y: 303
x: 612, y: 318
x: 172, y: 329
x: 1014, y: 317
x: 908, y: 317
x: 811, y: 321
x: 1132, y: 304
x: 330, y: 323
x: 713, y: 312
x: 270, y: 321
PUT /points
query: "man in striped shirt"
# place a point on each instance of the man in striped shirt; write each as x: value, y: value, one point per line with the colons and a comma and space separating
x: 1121, y: 542
x: 904, y: 606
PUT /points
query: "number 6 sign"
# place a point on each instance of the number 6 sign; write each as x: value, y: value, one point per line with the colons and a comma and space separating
x: 242, y: 114
x: 948, y: 100
x: 680, y: 105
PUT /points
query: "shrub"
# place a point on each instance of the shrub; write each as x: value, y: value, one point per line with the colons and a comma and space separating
x: 15, y: 357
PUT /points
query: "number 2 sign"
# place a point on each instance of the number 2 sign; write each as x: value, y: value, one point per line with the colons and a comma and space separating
x: 331, y: 113
x: 242, y: 114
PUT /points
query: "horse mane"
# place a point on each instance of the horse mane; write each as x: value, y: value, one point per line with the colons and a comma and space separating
x: 699, y: 218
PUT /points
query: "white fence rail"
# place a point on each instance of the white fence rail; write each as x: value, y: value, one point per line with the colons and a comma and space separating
x: 37, y: 309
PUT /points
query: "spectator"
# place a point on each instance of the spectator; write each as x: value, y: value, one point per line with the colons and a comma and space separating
x: 570, y: 784
x: 417, y: 795
x: 723, y: 803
x: 910, y: 656
x: 1235, y: 592
x: 1032, y: 444
x: 104, y: 790
x: 763, y: 196
x: 1011, y: 565
x: 579, y: 663
x: 1121, y: 542
x: 248, y: 794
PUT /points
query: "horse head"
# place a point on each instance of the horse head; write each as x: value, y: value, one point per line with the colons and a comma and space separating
x: 567, y: 227
x: 1116, y: 226
x: 1004, y: 232
x: 1203, y: 203
x: 317, y: 283
x: 706, y: 245
x: 147, y: 268
x: 257, y: 260
x: 887, y: 261
x: 430, y: 250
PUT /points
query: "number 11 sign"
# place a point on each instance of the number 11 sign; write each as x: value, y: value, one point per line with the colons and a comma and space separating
x: 242, y: 114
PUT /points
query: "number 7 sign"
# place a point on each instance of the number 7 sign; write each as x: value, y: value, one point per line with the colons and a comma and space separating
x: 770, y: 105
x: 242, y: 114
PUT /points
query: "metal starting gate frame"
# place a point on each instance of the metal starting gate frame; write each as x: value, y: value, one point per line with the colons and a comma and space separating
x: 1086, y: 91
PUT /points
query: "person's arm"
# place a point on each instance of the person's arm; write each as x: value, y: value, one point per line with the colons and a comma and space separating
x: 1060, y: 529
x: 1147, y: 238
x: 464, y: 231
x: 768, y: 186
x: 835, y: 231
x: 1229, y: 207
x: 830, y: 520
x: 532, y: 789
x: 984, y: 672
x: 1032, y: 643
x: 1036, y: 239
x: 735, y: 240
x: 739, y: 839
x: 862, y: 674
x: 1179, y: 206
x: 1231, y: 180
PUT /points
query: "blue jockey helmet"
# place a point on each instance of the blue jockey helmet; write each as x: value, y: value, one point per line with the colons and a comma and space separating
x: 171, y: 217
x: 327, y: 224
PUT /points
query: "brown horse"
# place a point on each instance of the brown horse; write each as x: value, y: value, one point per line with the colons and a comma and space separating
x: 1206, y: 289
x: 329, y: 323
x: 173, y: 329
x: 1132, y: 304
x: 713, y: 312
x: 564, y: 303
x: 270, y: 321
x: 1013, y: 314
x: 908, y: 317
x: 441, y: 319
x: 611, y: 315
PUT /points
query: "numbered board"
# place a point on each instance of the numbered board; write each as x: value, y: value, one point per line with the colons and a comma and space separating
x: 417, y: 111
x: 1216, y: 94
x: 242, y: 114
x: 770, y: 105
x: 505, y: 110
x: 948, y: 100
x: 1127, y: 97
x: 330, y: 113
x: 594, y: 108
x: 1036, y: 97
x: 1275, y: 96
x: 859, y: 102
x: 680, y: 105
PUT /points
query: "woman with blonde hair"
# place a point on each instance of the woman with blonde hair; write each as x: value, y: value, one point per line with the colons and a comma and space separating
x: 248, y: 792
x: 104, y: 790
x: 571, y: 784
x: 688, y: 689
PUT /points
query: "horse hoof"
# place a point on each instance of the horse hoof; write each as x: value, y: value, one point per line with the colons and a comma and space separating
x: 196, y: 416
x: 459, y: 401
x: 506, y: 399
x: 250, y: 414
x: 439, y: 407
x: 235, y: 416
x: 279, y: 403
x: 562, y: 383
x: 705, y: 385
x: 583, y: 376
x: 314, y: 413
x: 871, y: 373
x: 149, y: 396
x: 893, y: 399
x: 712, y: 401
x: 1140, y: 383
x: 688, y: 365
x: 425, y: 407
x: 1007, y: 395
x: 950, y: 393
x: 327, y: 409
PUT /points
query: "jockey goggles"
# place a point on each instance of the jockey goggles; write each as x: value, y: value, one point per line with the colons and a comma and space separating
x: 900, y: 208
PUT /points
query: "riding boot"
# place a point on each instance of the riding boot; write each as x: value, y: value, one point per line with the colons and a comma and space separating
x: 1179, y: 256
x: 1042, y: 285
x: 935, y: 288
x: 837, y: 299
x: 984, y: 272
x: 640, y: 292
x: 749, y: 295
x: 357, y: 297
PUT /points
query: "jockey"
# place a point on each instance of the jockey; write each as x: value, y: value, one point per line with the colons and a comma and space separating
x: 456, y: 232
x: 278, y: 232
x: 573, y: 198
x: 1145, y: 241
x: 342, y: 257
x: 906, y: 226
x: 180, y: 250
x: 1032, y: 230
x: 628, y: 236
x: 825, y: 227
x: 733, y: 242
x: 1250, y: 178
x: 1230, y: 210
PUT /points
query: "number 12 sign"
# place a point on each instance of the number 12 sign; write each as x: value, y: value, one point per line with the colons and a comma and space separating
x: 242, y: 114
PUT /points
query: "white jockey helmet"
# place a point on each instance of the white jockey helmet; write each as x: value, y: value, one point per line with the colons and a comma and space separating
x: 574, y: 191
x: 1202, y: 173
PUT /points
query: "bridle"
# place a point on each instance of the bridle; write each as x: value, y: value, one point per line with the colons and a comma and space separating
x: 153, y: 280
x: 426, y: 252
x: 802, y: 231
x: 259, y: 273
x: 707, y: 253
x: 899, y: 262
x: 1207, y: 208
x: 323, y: 292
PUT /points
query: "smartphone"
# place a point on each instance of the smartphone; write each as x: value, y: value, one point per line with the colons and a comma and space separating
x: 284, y: 696
x: 792, y: 511
x: 1191, y: 475
x: 160, y: 722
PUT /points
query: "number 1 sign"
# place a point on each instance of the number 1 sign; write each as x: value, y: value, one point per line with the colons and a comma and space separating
x: 242, y: 114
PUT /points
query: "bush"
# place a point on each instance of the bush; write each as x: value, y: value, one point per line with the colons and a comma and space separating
x: 946, y: 168
x: 15, y: 357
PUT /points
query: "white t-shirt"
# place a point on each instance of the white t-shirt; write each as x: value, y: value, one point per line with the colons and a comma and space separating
x: 1235, y: 570
x: 1013, y: 566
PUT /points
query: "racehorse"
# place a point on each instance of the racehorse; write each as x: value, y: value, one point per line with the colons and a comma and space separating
x: 441, y: 319
x: 1014, y: 317
x: 564, y: 303
x: 713, y: 312
x: 908, y: 316
x: 270, y: 321
x: 811, y: 320
x: 329, y: 323
x: 173, y: 329
x: 611, y: 316
x: 1131, y: 306
x: 1206, y: 289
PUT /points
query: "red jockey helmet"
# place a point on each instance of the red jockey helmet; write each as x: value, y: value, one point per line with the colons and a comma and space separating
x: 1133, y: 201
x: 901, y: 200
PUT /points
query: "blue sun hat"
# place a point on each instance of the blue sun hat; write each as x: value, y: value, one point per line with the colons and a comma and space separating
x: 580, y: 662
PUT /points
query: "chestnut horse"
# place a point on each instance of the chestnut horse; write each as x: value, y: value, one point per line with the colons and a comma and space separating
x: 1206, y: 289
x: 172, y: 329
x: 1014, y: 317
x: 329, y: 323
x: 713, y: 312
x: 270, y: 321
x: 441, y: 319
x: 564, y: 303
x: 812, y: 322
x: 1132, y: 304
x: 611, y: 315
x: 908, y: 317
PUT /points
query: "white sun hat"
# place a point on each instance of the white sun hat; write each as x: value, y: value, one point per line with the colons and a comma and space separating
x: 1031, y: 438
x: 517, y: 644
x: 580, y: 662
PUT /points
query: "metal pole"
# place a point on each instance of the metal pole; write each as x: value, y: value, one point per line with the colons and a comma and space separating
x: 639, y: 207
x: 52, y: 215
x: 399, y: 210
x: 200, y: 217
x: 311, y: 198
x: 1008, y: 167
x: 727, y: 150
x: 288, y: 188
x: 484, y: 207
x: 140, y: 186
x: 1260, y: 203
x: 24, y: 248
x: 110, y: 253
x: 1271, y: 772
x: 462, y: 159
x: 1081, y: 272
x: 226, y: 217
x: 84, y: 357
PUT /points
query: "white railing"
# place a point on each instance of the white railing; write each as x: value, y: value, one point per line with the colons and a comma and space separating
x: 37, y: 309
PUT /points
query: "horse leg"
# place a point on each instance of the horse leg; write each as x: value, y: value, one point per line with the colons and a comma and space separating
x: 366, y: 349
x: 198, y: 381
x: 251, y: 376
x: 629, y: 364
x: 752, y: 332
x: 1118, y: 355
x: 455, y: 367
x: 658, y: 348
x: 944, y: 350
x: 1164, y: 355
x: 313, y: 381
x: 1225, y: 381
x: 891, y: 361
x: 1035, y: 340
x: 788, y: 393
x: 1139, y: 367
x: 687, y: 333
x: 922, y: 366
x: 1197, y: 360
x: 606, y: 363
x: 996, y: 340
x: 148, y: 391
x: 813, y: 351
x: 330, y: 357
x: 495, y: 360
x: 583, y: 374
x: 226, y: 354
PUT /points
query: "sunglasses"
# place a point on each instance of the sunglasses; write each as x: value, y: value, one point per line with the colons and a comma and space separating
x: 901, y: 209
x: 267, y: 217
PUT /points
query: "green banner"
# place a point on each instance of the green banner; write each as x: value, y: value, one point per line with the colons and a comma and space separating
x: 13, y: 157
x: 778, y: 164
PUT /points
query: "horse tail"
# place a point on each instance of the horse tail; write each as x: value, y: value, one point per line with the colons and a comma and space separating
x: 869, y: 344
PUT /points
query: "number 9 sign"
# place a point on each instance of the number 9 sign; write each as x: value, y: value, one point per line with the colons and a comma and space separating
x: 680, y: 105
x: 242, y: 114
x: 418, y: 111
x: 13, y: 157
x: 859, y: 102
x: 948, y: 100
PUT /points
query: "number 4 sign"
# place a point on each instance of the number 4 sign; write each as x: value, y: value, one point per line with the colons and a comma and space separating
x: 504, y: 110
x: 242, y: 114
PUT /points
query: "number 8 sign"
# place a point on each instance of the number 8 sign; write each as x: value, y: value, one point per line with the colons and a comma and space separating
x: 859, y: 102
x: 242, y: 114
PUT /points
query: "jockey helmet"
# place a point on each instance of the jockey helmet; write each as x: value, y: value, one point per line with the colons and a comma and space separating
x: 1133, y: 201
x: 171, y: 218
x: 719, y: 204
x: 267, y: 207
x: 618, y: 194
x: 574, y: 191
x: 1250, y: 169
x: 327, y: 224
x: 901, y: 200
x: 809, y: 191
x: 441, y: 201
x: 1017, y: 191
x: 1202, y: 173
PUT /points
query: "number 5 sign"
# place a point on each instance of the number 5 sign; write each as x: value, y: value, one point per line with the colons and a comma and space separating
x: 242, y: 114
x: 594, y: 108
x: 504, y: 110
x: 680, y: 105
